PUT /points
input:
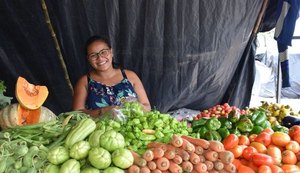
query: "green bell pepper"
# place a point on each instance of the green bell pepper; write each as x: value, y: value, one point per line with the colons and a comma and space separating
x: 202, y: 131
x: 213, y: 124
x: 279, y: 128
x: 258, y: 117
x: 225, y: 122
x: 266, y: 124
x: 212, y: 135
x: 224, y: 132
x: 235, y: 131
x: 244, y: 125
x: 198, y: 123
x: 256, y: 130
x: 233, y: 116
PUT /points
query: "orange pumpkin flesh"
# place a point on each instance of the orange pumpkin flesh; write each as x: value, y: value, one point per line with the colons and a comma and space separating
x: 30, y: 96
x: 26, y: 116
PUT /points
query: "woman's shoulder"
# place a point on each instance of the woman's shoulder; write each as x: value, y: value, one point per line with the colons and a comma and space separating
x: 83, y: 79
x: 130, y: 74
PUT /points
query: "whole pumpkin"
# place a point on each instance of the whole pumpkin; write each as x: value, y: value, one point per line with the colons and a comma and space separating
x: 15, y: 114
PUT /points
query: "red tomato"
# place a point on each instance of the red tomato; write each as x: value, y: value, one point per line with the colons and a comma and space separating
x: 248, y: 152
x: 276, y: 169
x: 289, y: 157
x: 261, y: 148
x: 296, y: 137
x: 261, y: 159
x: 280, y: 139
x: 252, y: 137
x: 293, y: 146
x: 275, y: 153
x: 244, y: 140
x: 298, y: 156
x: 231, y: 141
x: 294, y: 130
x: 268, y: 130
x: 287, y: 168
x: 264, y: 138
x: 264, y: 169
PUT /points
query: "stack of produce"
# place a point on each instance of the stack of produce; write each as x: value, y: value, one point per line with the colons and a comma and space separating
x: 214, y: 128
x: 139, y: 127
x: 220, y: 111
x: 268, y: 151
x: 86, y: 149
x: 279, y: 114
x: 184, y: 154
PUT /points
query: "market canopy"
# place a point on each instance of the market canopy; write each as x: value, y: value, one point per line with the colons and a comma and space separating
x: 189, y: 54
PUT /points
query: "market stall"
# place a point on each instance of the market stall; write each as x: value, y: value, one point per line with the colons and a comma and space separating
x: 223, y: 138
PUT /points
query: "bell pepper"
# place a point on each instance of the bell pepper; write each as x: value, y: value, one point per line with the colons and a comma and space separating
x: 212, y: 135
x: 256, y: 130
x: 235, y: 131
x: 202, y: 131
x: 234, y: 116
x: 225, y: 122
x: 279, y: 128
x: 266, y: 124
x: 258, y: 117
x: 224, y: 132
x: 198, y: 123
x: 244, y: 125
x: 213, y: 124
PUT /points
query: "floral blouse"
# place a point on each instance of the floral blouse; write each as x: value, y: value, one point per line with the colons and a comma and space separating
x: 101, y: 95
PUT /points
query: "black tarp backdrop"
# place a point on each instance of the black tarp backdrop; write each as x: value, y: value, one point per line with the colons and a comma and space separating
x: 188, y: 54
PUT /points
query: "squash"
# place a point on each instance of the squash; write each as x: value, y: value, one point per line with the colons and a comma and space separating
x: 16, y: 115
x: 30, y: 96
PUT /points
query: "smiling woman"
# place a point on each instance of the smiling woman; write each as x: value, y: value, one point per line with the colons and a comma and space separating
x: 106, y: 87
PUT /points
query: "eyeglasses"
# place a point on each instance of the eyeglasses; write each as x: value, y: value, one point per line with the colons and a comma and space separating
x: 102, y: 53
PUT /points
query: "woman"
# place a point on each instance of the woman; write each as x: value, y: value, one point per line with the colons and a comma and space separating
x: 106, y: 87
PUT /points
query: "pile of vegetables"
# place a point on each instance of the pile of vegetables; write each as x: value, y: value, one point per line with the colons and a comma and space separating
x: 268, y: 151
x: 219, y: 111
x: 25, y: 148
x: 141, y: 127
x: 88, y: 149
x: 184, y: 154
x: 214, y: 128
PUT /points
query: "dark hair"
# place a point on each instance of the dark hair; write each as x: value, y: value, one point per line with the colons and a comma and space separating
x: 96, y: 38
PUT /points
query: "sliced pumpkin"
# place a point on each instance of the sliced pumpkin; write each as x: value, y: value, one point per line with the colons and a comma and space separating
x: 17, y: 115
x: 30, y: 96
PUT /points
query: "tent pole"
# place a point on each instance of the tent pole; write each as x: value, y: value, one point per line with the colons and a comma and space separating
x: 278, y: 82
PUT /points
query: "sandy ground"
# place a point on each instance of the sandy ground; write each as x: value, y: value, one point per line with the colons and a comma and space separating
x: 294, y: 103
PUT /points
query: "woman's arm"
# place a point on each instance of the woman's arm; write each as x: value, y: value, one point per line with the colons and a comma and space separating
x: 139, y: 89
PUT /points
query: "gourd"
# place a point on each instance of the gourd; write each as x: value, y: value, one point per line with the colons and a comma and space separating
x: 30, y: 96
x: 15, y: 114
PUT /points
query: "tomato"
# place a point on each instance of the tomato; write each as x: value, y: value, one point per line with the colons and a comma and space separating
x: 280, y: 139
x: 264, y: 138
x: 245, y: 169
x: 261, y: 148
x: 287, y: 168
x: 231, y: 141
x: 248, y: 152
x: 264, y: 169
x: 268, y: 130
x: 237, y: 150
x: 298, y: 156
x: 289, y: 157
x: 294, y: 130
x: 261, y: 159
x: 275, y: 153
x: 276, y: 169
x: 296, y: 137
x: 244, y: 140
x: 293, y: 146
x: 252, y: 137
